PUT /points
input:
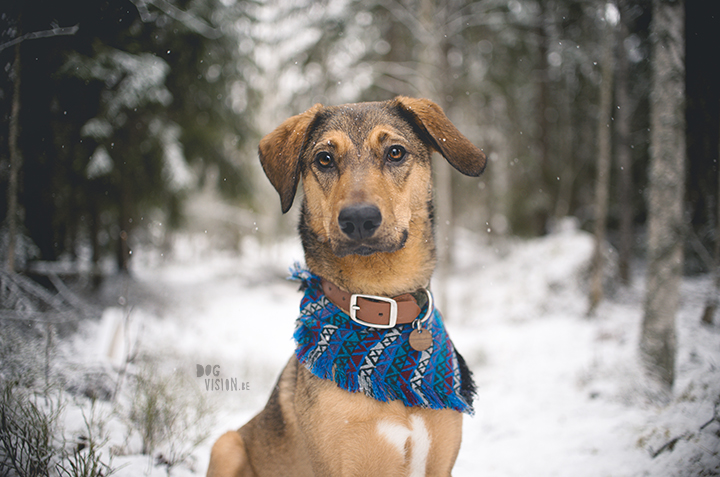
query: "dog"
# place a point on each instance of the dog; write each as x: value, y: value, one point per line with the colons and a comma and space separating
x: 366, y: 227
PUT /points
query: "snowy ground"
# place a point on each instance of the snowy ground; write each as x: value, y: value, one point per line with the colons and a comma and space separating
x: 559, y: 394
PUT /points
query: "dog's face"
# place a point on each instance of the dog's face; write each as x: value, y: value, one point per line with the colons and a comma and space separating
x: 366, y: 172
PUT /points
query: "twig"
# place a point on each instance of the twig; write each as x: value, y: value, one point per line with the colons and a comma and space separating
x: 699, y: 248
x: 35, y: 290
x: 70, y: 297
x: 188, y: 19
x: 669, y: 445
x: 715, y: 416
x: 59, y: 31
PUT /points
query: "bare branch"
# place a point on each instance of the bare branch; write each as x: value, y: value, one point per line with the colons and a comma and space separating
x: 715, y: 417
x: 59, y: 31
x: 69, y: 297
x: 191, y: 21
x: 700, y: 249
x: 670, y: 445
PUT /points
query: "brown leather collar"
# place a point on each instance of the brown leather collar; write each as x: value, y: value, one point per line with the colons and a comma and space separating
x: 373, y: 311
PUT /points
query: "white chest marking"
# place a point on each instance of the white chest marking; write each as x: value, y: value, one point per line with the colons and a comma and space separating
x: 397, y: 435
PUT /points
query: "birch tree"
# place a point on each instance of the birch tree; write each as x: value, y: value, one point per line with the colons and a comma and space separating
x: 666, y: 192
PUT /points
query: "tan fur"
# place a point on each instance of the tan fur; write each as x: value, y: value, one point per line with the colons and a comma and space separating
x: 310, y: 426
x: 228, y: 456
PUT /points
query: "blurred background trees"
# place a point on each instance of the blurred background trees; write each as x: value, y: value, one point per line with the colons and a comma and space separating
x: 117, y: 122
x: 128, y: 109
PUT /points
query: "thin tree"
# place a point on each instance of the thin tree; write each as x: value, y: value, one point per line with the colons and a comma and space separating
x: 547, y: 171
x: 15, y: 161
x: 666, y: 192
x: 602, y: 180
x: 14, y: 134
x: 711, y: 304
x: 624, y: 156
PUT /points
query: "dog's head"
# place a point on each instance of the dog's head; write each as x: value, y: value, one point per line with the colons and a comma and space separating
x: 366, y: 170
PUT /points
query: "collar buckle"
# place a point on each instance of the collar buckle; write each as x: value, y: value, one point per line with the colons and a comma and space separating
x: 354, y: 307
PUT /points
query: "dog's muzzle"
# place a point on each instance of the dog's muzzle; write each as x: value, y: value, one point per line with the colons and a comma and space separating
x: 360, y: 224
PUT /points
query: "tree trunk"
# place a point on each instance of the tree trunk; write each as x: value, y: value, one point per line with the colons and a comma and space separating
x: 666, y: 192
x: 712, y: 302
x: 545, y: 134
x: 431, y: 85
x: 568, y: 172
x: 602, y: 182
x: 15, y: 162
x: 624, y: 157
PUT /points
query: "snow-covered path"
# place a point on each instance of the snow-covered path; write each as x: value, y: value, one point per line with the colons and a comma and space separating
x: 559, y: 394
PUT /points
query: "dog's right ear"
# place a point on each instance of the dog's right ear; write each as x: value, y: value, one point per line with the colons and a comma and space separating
x: 280, y: 153
x: 442, y: 135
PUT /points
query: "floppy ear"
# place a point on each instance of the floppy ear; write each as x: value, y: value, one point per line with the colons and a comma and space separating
x: 443, y: 136
x: 280, y: 153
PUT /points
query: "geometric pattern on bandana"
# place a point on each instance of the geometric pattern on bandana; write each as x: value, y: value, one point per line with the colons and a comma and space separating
x: 379, y: 362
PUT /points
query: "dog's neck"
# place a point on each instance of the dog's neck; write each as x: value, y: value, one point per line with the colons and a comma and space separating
x: 384, y: 274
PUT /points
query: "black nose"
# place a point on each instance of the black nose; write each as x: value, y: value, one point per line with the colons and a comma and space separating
x: 359, y: 221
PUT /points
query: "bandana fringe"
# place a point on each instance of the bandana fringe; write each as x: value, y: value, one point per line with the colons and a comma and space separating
x: 378, y: 362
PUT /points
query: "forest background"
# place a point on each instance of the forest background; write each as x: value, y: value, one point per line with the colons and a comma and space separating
x: 125, y: 109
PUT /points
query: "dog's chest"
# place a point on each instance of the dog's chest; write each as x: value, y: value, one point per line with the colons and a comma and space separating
x: 412, y: 441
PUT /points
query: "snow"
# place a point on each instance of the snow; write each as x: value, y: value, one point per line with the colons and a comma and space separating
x: 101, y: 164
x: 559, y: 393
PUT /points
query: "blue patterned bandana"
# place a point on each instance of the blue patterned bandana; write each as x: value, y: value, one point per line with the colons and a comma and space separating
x: 379, y: 362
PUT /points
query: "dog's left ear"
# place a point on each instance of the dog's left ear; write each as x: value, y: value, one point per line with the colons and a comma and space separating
x: 280, y: 153
x: 443, y: 136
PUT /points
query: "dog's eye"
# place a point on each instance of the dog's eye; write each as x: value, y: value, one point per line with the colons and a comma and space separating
x: 324, y: 160
x: 396, y: 154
